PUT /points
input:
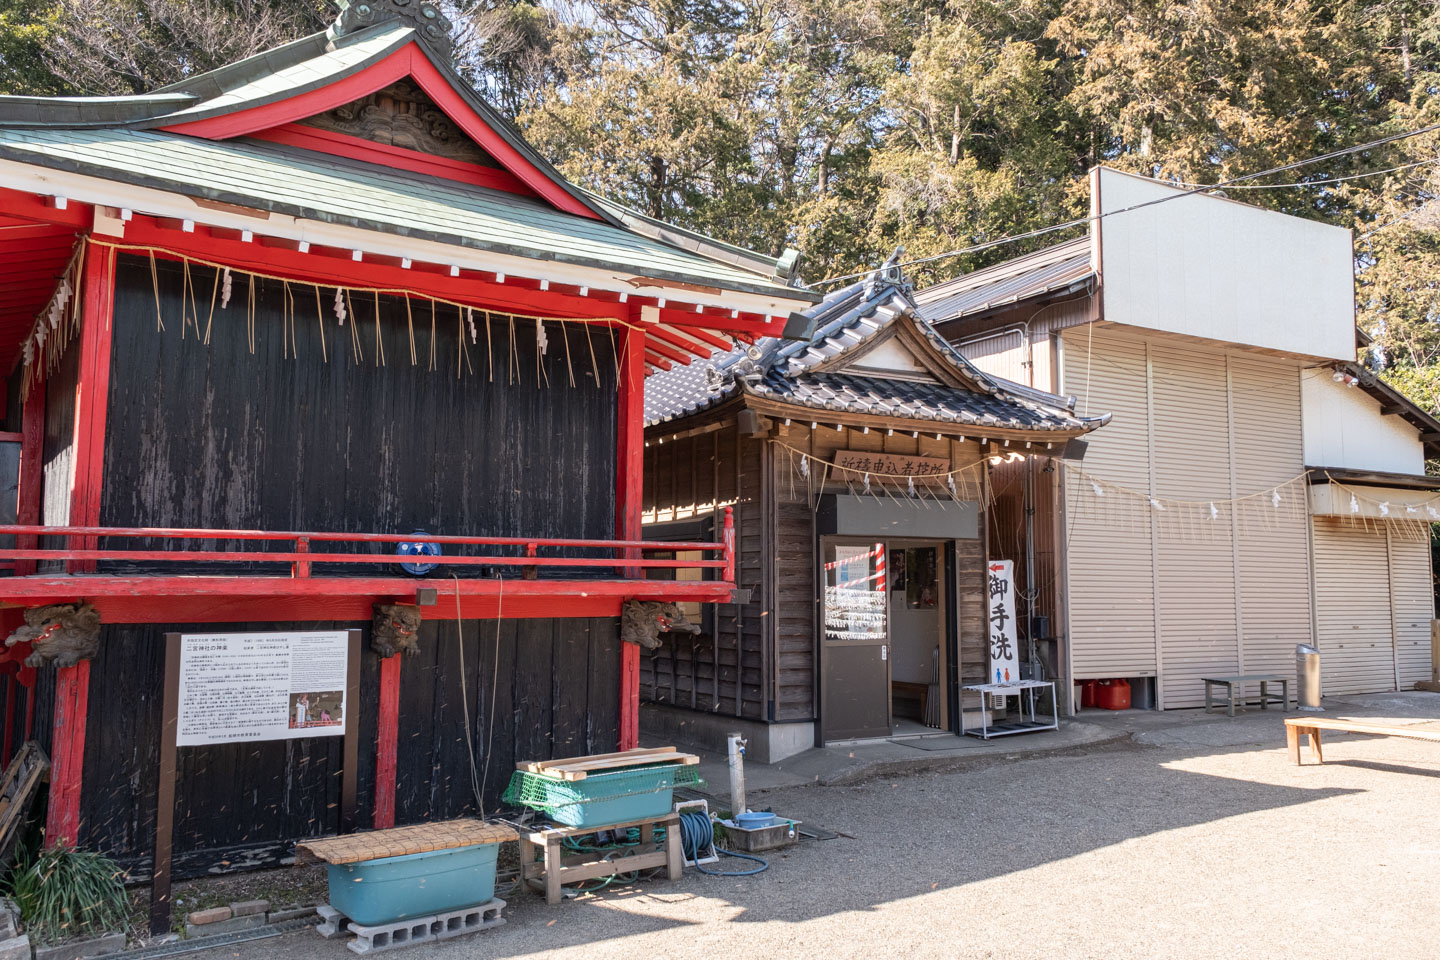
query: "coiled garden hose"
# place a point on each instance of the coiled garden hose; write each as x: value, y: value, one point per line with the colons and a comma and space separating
x: 697, y: 834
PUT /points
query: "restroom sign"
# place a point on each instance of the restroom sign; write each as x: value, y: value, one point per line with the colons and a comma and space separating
x: 1004, y: 648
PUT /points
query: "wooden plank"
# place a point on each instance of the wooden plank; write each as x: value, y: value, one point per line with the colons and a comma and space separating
x: 538, y: 765
x: 387, y: 741
x: 1304, y: 724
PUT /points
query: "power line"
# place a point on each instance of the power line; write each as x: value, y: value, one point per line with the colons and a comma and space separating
x: 1297, y: 184
x: 1042, y: 231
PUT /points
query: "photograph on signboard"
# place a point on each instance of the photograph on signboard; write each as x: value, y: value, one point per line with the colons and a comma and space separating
x: 317, y: 709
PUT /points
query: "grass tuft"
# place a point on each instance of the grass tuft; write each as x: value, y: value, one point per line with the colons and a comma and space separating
x: 66, y: 893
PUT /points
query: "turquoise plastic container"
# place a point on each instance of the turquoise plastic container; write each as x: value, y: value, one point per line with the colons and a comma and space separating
x: 376, y: 892
x: 637, y: 794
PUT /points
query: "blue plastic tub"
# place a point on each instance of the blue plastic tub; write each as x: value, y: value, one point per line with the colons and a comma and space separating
x: 375, y: 892
x: 634, y: 795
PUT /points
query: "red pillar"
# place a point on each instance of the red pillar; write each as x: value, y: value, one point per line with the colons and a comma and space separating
x: 72, y: 684
x: 387, y: 741
x: 92, y: 393
x: 67, y: 754
x: 630, y: 457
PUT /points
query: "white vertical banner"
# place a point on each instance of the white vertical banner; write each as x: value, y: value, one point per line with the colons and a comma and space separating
x: 1004, y: 648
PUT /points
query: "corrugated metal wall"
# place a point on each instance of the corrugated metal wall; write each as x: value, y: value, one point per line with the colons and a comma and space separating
x: 1001, y: 354
x: 1111, y: 569
x: 1373, y: 604
x: 1352, y: 606
x: 1411, y: 605
x: 1154, y: 592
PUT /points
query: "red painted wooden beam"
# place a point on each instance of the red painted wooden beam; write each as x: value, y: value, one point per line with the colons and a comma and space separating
x: 67, y: 754
x: 72, y: 684
x: 30, y: 591
x: 629, y: 477
x: 387, y: 740
x: 409, y: 61
x: 92, y: 391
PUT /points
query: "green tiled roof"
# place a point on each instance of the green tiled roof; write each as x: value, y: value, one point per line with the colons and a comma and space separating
x: 347, y: 56
x: 298, y: 183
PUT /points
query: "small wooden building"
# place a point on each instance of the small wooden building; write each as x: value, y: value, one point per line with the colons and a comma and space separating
x: 264, y: 325
x: 869, y: 445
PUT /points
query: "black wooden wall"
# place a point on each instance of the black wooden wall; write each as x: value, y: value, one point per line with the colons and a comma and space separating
x: 555, y: 694
x: 212, y: 436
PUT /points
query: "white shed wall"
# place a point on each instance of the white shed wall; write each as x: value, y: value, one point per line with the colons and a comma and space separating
x: 1345, y: 428
x: 1214, y: 268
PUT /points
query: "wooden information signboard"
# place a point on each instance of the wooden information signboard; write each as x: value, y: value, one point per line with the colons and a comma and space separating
x: 246, y: 687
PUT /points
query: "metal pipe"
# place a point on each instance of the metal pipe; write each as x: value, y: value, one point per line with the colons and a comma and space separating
x: 735, y: 749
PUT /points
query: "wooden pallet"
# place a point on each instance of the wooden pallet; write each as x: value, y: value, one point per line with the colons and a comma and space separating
x: 18, y: 787
x: 577, y: 768
x: 556, y: 867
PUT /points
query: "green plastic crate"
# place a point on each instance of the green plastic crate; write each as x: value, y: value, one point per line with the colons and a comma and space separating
x: 602, y: 798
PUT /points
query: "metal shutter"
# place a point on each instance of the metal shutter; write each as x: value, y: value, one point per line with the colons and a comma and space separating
x: 1110, y: 574
x: 1352, y: 606
x: 1273, y: 547
x: 1196, y: 566
x: 1411, y: 600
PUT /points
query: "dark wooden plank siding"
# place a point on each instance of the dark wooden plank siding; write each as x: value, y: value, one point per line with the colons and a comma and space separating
x: 241, y: 804
x: 211, y: 436
x: 724, y: 670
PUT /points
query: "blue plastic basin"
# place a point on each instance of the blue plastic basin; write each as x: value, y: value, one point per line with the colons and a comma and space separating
x: 375, y: 892
x: 643, y: 792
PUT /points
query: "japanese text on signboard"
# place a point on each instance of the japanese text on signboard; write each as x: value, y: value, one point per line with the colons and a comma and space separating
x: 1004, y: 649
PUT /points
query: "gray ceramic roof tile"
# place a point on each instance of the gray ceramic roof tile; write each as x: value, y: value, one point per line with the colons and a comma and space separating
x: 844, y: 321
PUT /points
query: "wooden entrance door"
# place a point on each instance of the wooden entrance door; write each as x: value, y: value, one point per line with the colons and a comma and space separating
x: 855, y: 635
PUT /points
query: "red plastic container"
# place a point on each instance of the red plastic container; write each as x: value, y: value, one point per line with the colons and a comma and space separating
x: 1087, y: 694
x: 1113, y: 695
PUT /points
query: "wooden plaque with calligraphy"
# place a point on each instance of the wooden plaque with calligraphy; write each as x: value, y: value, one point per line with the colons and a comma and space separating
x: 892, y: 464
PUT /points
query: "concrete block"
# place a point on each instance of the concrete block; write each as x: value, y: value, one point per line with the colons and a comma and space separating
x: 332, y: 921
x: 292, y: 913
x: 15, y: 948
x: 246, y: 908
x: 9, y: 919
x: 233, y: 925
x: 213, y: 915
x: 80, y: 949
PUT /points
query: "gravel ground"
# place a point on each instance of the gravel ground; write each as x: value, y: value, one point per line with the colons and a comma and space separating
x: 1135, y: 851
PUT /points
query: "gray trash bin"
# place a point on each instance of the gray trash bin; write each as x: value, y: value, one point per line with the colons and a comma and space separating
x: 1307, y: 677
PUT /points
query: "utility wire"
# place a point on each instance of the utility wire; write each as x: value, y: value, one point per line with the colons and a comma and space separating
x: 1298, y: 184
x: 1042, y: 231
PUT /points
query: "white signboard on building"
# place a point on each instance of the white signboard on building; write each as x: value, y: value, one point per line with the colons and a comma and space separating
x: 1004, y: 648
x: 237, y: 687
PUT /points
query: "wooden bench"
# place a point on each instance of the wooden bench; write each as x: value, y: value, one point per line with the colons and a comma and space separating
x: 1232, y: 683
x: 1296, y: 727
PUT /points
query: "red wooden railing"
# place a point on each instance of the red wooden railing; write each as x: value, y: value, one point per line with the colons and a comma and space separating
x: 302, y: 559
